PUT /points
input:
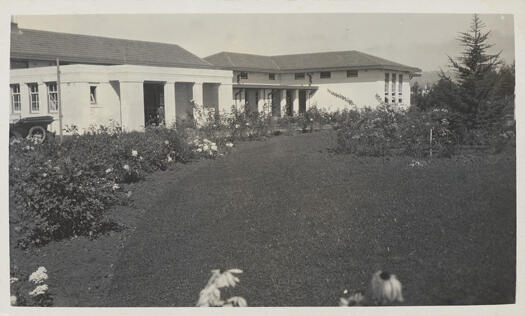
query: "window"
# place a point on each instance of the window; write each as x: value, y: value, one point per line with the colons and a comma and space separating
x: 393, y: 85
x: 352, y: 73
x: 243, y: 75
x: 387, y: 79
x: 16, y: 104
x: 271, y: 76
x: 400, y: 85
x: 33, y: 97
x: 400, y: 101
x: 326, y: 74
x: 299, y: 75
x: 52, y: 97
x: 93, y: 94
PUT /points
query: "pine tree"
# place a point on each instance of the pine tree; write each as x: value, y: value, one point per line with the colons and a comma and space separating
x: 474, y: 69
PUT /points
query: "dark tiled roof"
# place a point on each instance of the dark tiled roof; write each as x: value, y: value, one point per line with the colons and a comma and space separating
x: 74, y: 48
x: 311, y: 61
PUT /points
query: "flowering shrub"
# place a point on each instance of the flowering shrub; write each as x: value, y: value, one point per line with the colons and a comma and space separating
x: 210, y: 296
x: 388, y: 130
x: 59, y: 191
x: 32, y: 293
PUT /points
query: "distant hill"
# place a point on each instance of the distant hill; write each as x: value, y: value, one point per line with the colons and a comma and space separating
x: 427, y: 77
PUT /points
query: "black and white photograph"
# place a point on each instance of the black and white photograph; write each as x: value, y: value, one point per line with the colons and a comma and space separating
x: 261, y: 159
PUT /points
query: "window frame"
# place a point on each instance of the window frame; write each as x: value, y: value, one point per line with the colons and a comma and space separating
x: 243, y: 75
x: 350, y: 73
x: 299, y: 76
x: 37, y: 97
x: 327, y: 75
x: 271, y: 76
x: 13, y: 101
x: 50, y: 93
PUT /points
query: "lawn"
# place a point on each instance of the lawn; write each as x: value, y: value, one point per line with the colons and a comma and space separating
x: 304, y: 224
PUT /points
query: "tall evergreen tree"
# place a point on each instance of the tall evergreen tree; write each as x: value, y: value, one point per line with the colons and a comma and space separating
x: 474, y: 69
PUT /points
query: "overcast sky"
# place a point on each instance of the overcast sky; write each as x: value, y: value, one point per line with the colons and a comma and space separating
x: 420, y: 40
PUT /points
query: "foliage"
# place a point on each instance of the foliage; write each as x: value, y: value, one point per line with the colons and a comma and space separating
x: 63, y: 190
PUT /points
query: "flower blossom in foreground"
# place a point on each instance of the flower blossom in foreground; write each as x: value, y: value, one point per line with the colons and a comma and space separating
x: 134, y: 153
x: 39, y: 290
x: 126, y: 167
x: 386, y: 288
x: 109, y: 170
x: 39, y: 275
x: 229, y: 144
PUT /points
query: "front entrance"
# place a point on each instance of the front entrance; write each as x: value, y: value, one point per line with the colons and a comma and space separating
x: 289, y: 102
x: 302, y: 101
x: 153, y: 104
x: 276, y: 103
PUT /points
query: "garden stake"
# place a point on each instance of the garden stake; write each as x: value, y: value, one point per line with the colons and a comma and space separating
x: 431, y: 143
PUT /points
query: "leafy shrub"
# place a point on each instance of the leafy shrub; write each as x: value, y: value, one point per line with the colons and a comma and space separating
x: 63, y: 190
x: 33, y: 292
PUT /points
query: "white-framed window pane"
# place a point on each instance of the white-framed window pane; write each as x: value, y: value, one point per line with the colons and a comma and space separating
x: 393, y: 83
x: 400, y: 85
x: 52, y: 96
x: 16, y: 103
x: 33, y: 97
x: 326, y: 74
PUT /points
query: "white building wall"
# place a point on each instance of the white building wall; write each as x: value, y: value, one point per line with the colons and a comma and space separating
x: 119, y: 91
x: 362, y: 90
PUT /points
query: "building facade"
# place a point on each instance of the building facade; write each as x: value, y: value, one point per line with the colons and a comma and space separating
x: 290, y: 84
x: 137, y: 83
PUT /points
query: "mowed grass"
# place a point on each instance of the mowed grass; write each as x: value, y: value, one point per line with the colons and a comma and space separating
x: 304, y: 224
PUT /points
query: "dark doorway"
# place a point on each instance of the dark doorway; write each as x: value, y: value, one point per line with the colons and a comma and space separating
x: 302, y: 101
x: 276, y: 103
x: 289, y: 102
x: 154, y: 104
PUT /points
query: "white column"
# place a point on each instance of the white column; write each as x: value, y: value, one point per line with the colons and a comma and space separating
x: 42, y: 98
x: 283, y: 102
x: 132, y: 105
x: 170, y: 108
x: 197, y: 93
x: 225, y: 98
x: 295, y: 102
x: 260, y: 102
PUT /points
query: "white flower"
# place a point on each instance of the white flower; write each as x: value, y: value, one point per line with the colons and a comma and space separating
x: 44, y: 174
x: 199, y: 150
x: 167, y: 142
x: 109, y: 170
x: 236, y: 301
x: 38, y: 276
x: 237, y: 126
x: 345, y: 291
x: 247, y: 123
x: 13, y: 280
x: 13, y: 300
x: 214, y: 147
x: 134, y: 153
x: 170, y: 159
x: 116, y: 186
x: 39, y: 290
x: 386, y: 288
x: 141, y: 158
x: 126, y: 167
x: 205, y: 147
